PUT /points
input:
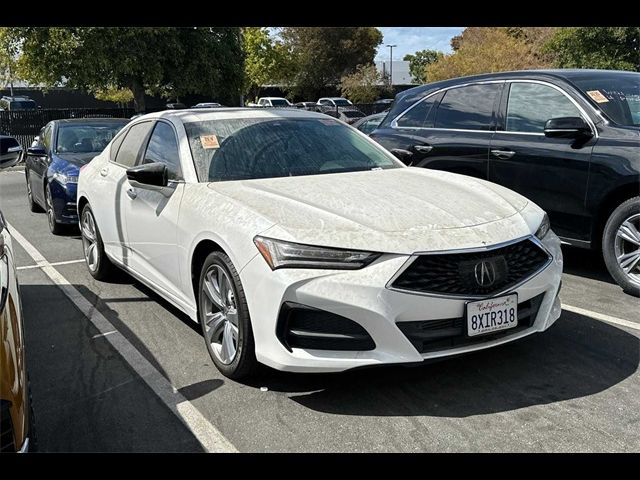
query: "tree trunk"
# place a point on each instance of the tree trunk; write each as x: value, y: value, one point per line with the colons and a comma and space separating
x: 138, y: 96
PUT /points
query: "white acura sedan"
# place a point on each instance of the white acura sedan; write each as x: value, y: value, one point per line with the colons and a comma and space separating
x: 298, y: 242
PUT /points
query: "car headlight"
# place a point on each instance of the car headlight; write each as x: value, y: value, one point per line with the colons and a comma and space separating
x: 544, y: 227
x: 281, y: 254
x: 62, y: 178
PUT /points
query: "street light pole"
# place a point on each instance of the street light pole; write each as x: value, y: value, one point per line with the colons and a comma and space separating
x: 391, y: 64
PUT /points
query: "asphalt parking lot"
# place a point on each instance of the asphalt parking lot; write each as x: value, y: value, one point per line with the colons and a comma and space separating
x: 115, y: 368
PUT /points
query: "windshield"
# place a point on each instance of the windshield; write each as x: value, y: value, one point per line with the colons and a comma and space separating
x: 23, y: 105
x: 250, y: 148
x: 617, y: 95
x: 86, y: 138
x: 342, y: 102
x: 279, y: 102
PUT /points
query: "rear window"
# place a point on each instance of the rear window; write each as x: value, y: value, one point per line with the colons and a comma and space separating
x: 467, y: 108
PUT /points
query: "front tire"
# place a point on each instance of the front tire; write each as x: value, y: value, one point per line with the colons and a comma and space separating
x: 55, y: 227
x: 99, y: 265
x: 224, y: 317
x: 621, y: 246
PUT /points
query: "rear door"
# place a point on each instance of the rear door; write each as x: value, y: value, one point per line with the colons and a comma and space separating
x: 450, y: 130
x: 552, y: 172
x: 152, y: 216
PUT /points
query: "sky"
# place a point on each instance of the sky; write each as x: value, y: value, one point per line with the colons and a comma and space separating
x: 412, y: 39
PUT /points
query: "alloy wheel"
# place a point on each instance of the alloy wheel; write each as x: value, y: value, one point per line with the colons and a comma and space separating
x: 88, y: 229
x: 220, y: 314
x: 627, y: 247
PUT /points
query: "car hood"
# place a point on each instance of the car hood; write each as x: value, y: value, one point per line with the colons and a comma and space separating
x: 399, y: 210
x: 77, y: 159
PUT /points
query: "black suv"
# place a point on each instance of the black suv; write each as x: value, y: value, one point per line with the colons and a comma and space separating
x: 567, y: 139
x: 17, y: 103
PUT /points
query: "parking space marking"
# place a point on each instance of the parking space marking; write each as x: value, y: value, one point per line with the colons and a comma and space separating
x: 205, y: 432
x: 601, y: 316
x: 54, y: 264
x: 104, y: 334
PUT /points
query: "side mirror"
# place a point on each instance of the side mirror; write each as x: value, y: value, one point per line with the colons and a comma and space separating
x: 567, y: 127
x: 149, y: 175
x: 403, y: 155
x: 10, y: 152
x: 37, y: 151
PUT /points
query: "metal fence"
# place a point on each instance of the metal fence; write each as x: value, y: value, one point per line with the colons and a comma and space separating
x: 25, y: 124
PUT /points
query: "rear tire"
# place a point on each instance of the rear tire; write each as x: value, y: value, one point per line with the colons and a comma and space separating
x: 33, y: 206
x: 621, y: 246
x: 33, y: 437
x: 99, y: 265
x: 224, y: 318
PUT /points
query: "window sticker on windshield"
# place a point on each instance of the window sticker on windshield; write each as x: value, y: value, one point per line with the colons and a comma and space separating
x: 597, y: 96
x: 209, y: 141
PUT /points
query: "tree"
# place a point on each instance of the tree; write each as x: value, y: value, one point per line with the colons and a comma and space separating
x: 321, y: 56
x: 266, y: 60
x: 614, y: 48
x: 7, y: 58
x: 361, y: 86
x: 166, y: 61
x: 419, y: 61
x: 484, y: 50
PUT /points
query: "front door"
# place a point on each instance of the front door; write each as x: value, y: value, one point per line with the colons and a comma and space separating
x: 552, y: 172
x: 152, y: 216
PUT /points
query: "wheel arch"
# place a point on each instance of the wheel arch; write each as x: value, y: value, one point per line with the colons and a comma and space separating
x: 199, y: 255
x: 611, y: 201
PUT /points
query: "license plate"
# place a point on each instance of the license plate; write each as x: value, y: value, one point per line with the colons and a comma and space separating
x: 492, y: 315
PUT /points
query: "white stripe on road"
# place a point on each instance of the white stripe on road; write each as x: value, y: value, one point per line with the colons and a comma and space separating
x: 601, y: 316
x: 104, y: 334
x: 208, y: 435
x: 54, y: 264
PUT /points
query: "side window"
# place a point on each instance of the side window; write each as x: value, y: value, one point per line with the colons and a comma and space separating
x: 115, y: 145
x: 163, y: 148
x: 422, y: 114
x: 130, y: 148
x: 530, y: 105
x: 468, y: 108
x: 46, y: 137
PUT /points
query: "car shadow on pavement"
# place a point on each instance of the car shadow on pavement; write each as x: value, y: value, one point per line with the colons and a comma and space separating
x: 577, y: 357
x: 585, y: 263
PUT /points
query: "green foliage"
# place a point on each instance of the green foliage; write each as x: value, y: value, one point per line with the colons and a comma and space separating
x: 157, y: 60
x: 419, y: 61
x: 614, y: 48
x: 266, y: 60
x: 487, y: 49
x: 321, y: 56
x: 113, y: 94
x: 361, y: 86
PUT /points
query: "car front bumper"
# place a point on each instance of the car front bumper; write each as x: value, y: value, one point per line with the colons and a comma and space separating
x: 64, y: 197
x: 361, y: 296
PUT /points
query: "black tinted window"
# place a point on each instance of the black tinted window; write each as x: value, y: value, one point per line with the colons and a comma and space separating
x: 532, y: 104
x: 163, y: 148
x: 469, y: 108
x: 128, y: 152
x: 419, y: 116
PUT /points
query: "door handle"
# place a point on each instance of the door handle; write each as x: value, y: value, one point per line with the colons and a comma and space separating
x: 503, y: 153
x: 423, y: 148
x: 132, y: 193
x: 104, y: 172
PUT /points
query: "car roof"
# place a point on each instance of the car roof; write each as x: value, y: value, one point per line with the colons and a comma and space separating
x: 87, y: 120
x: 205, y: 114
x: 272, y: 98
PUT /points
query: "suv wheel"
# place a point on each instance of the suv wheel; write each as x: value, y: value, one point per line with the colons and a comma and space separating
x: 621, y: 246
x: 100, y: 267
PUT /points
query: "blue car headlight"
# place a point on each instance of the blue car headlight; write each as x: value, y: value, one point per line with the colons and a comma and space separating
x: 64, y: 179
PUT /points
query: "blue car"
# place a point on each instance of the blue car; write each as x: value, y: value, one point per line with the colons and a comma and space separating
x: 54, y: 161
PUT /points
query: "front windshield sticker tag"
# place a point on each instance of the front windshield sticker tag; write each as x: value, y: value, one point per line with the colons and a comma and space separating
x: 209, y: 141
x: 597, y: 96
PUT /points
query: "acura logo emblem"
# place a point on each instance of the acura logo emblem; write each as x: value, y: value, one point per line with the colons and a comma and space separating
x: 485, y: 273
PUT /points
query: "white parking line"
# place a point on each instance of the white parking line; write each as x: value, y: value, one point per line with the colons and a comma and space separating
x: 601, y: 316
x: 54, y: 264
x: 208, y: 435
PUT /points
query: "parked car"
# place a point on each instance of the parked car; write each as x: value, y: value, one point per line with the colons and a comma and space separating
x: 333, y: 102
x: 370, y: 123
x: 11, y: 152
x: 207, y: 105
x: 16, y: 413
x: 52, y: 165
x: 340, y: 108
x: 299, y: 243
x: 384, y: 101
x: 17, y: 103
x: 309, y: 106
x: 273, y: 102
x: 566, y: 139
